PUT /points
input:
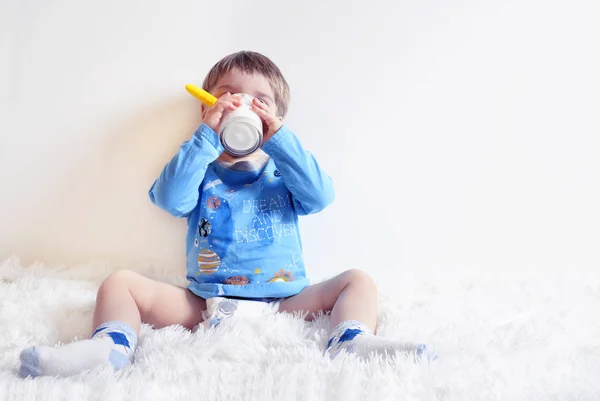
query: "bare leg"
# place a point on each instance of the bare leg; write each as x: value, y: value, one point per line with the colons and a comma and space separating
x: 352, y: 299
x: 124, y: 300
x: 350, y: 296
x: 129, y: 297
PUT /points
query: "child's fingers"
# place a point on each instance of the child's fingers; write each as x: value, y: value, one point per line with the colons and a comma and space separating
x: 263, y: 114
x: 261, y: 110
x: 219, y: 107
x: 261, y: 105
x: 225, y: 105
x: 228, y: 98
x: 257, y: 110
x: 236, y: 99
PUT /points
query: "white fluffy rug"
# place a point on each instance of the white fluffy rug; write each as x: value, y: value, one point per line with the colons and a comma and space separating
x: 535, y: 338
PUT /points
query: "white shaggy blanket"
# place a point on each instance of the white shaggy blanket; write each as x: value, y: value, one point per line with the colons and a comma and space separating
x: 532, y: 338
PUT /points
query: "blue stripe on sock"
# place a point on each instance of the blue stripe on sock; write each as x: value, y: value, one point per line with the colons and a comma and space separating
x: 349, y: 335
x: 98, y: 330
x: 119, y: 338
x: 118, y: 327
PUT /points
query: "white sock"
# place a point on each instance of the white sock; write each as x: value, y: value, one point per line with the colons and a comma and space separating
x: 355, y: 337
x: 113, y: 343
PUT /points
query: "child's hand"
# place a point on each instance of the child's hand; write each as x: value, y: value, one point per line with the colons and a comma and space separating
x: 212, y: 116
x: 271, y: 122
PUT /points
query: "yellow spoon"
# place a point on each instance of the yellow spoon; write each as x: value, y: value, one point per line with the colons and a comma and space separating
x: 202, y: 95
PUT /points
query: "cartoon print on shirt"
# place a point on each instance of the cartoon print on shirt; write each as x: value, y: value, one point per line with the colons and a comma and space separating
x: 204, y: 228
x: 211, y: 184
x: 214, y: 202
x: 218, y: 210
x: 296, y: 261
x: 282, y: 276
x: 236, y: 280
x: 208, y: 262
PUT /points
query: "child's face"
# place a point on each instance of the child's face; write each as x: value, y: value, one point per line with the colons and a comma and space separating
x: 236, y: 81
x: 255, y: 85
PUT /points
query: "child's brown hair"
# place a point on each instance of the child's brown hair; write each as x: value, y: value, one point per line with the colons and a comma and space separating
x: 252, y: 63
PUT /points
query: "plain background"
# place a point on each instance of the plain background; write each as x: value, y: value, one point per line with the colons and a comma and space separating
x: 462, y: 136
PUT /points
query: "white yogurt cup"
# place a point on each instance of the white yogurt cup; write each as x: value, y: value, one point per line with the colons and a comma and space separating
x: 241, y: 130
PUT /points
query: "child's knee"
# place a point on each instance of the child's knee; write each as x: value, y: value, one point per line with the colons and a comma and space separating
x: 360, y: 278
x: 119, y: 278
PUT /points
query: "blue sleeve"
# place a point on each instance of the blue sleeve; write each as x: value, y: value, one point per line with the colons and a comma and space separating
x: 311, y: 188
x: 176, y: 189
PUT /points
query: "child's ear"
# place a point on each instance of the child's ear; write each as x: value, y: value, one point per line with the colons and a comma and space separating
x: 281, y: 118
x: 203, y: 109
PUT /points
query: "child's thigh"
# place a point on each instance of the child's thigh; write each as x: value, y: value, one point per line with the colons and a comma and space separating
x: 161, y: 304
x: 316, y: 297
x: 174, y: 305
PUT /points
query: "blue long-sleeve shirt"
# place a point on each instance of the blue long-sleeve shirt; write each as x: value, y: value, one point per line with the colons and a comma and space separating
x: 243, y: 238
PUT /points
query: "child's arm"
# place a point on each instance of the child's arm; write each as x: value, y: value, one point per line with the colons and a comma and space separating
x: 311, y: 188
x: 176, y: 189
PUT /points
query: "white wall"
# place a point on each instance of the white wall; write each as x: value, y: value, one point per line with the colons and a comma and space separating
x: 461, y: 135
